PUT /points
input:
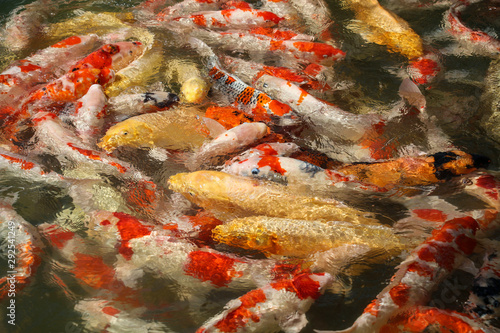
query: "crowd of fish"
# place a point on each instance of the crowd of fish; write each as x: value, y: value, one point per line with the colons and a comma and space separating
x: 205, y: 151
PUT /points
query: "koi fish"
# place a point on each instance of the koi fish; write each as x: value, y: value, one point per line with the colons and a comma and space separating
x: 232, y: 140
x: 181, y: 129
x: 194, y: 88
x: 380, y: 26
x: 252, y: 71
x: 300, y: 238
x: 484, y: 298
x: 424, y: 69
x: 22, y: 248
x: 290, y: 52
x: 232, y: 196
x: 186, y: 7
x: 490, y: 101
x: 259, y: 105
x: 427, y: 265
x: 475, y: 41
x: 279, y: 305
x: 25, y: 24
x: 423, y: 318
x: 279, y: 34
x: 69, y: 149
x: 239, y: 18
x: 293, y: 17
x: 89, y: 113
x: 148, y: 102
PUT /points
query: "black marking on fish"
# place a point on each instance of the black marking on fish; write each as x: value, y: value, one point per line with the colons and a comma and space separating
x: 310, y: 168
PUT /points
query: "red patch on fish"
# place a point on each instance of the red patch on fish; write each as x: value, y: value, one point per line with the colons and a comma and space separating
x: 213, y: 267
x: 59, y: 237
x: 400, y: 294
x: 273, y: 162
x: 421, y: 269
x: 427, y: 68
x: 266, y: 149
x: 109, y: 310
x: 302, y: 285
x: 73, y: 40
x: 199, y: 20
x: 240, y: 316
x: 93, y: 271
x: 466, y: 244
x: 130, y: 228
x: 245, y: 96
x: 29, y: 67
x: 321, y: 50
x: 443, y: 255
x: 279, y: 108
x: 273, y: 33
x: 433, y: 215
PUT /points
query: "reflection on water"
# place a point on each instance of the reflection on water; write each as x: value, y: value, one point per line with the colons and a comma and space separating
x: 121, y: 245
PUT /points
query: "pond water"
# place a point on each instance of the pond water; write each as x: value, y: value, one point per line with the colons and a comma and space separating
x: 368, y: 80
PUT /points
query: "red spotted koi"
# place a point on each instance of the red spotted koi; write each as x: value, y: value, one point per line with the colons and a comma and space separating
x: 423, y: 270
x: 279, y: 305
x: 239, y: 18
x: 186, y: 7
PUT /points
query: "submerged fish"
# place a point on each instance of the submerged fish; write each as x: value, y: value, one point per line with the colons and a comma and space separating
x: 234, y: 195
x: 279, y: 305
x: 148, y: 102
x: 300, y: 238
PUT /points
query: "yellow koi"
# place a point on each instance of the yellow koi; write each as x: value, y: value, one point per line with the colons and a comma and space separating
x: 300, y: 238
x: 180, y: 129
x: 194, y: 88
x: 234, y: 196
x: 380, y: 26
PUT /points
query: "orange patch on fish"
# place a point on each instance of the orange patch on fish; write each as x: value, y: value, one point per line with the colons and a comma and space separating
x: 433, y: 215
x: 25, y: 165
x: 273, y: 162
x: 129, y: 228
x: 73, y: 40
x: 240, y: 316
x: 199, y: 20
x: 400, y: 294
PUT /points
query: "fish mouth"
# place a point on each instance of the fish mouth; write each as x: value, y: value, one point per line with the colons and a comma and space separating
x: 108, y: 144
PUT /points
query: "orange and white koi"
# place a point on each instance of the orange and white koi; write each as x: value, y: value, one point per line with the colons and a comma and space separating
x: 484, y: 298
x: 424, y: 69
x: 321, y: 115
x: 229, y: 196
x: 279, y: 34
x: 421, y: 318
x: 279, y: 305
x: 250, y: 100
x: 289, y: 52
x: 293, y: 17
x: 474, y: 41
x: 22, y: 249
x: 311, y: 78
x: 69, y: 148
x: 148, y: 102
x: 484, y: 186
x: 229, y: 19
x: 428, y: 265
x: 301, y: 238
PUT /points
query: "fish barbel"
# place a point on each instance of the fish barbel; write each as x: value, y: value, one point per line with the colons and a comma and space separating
x: 181, y: 129
x: 300, y: 238
x: 380, y: 26
x: 234, y: 195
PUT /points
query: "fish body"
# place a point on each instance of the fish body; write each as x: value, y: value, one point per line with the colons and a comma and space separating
x: 279, y: 305
x: 380, y: 26
x: 186, y: 7
x: 89, y: 114
x: 484, y: 298
x: 427, y: 265
x: 182, y: 129
x: 290, y: 52
x: 239, y: 18
x: 148, y: 102
x: 194, y: 87
x: 22, y: 247
x: 232, y: 140
x: 234, y: 195
x: 423, y: 318
x: 301, y: 238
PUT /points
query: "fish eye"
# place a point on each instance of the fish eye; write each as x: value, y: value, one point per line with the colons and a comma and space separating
x: 265, y: 85
x: 125, y: 133
x: 467, y: 181
x: 255, y: 171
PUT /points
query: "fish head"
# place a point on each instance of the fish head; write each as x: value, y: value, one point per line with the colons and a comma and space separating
x: 201, y: 186
x: 244, y: 234
x: 194, y: 90
x: 126, y: 133
x: 123, y: 53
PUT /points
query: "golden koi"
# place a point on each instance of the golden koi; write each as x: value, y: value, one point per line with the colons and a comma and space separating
x: 380, y: 26
x: 180, y: 129
x: 194, y: 88
x: 235, y: 196
x: 300, y: 238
